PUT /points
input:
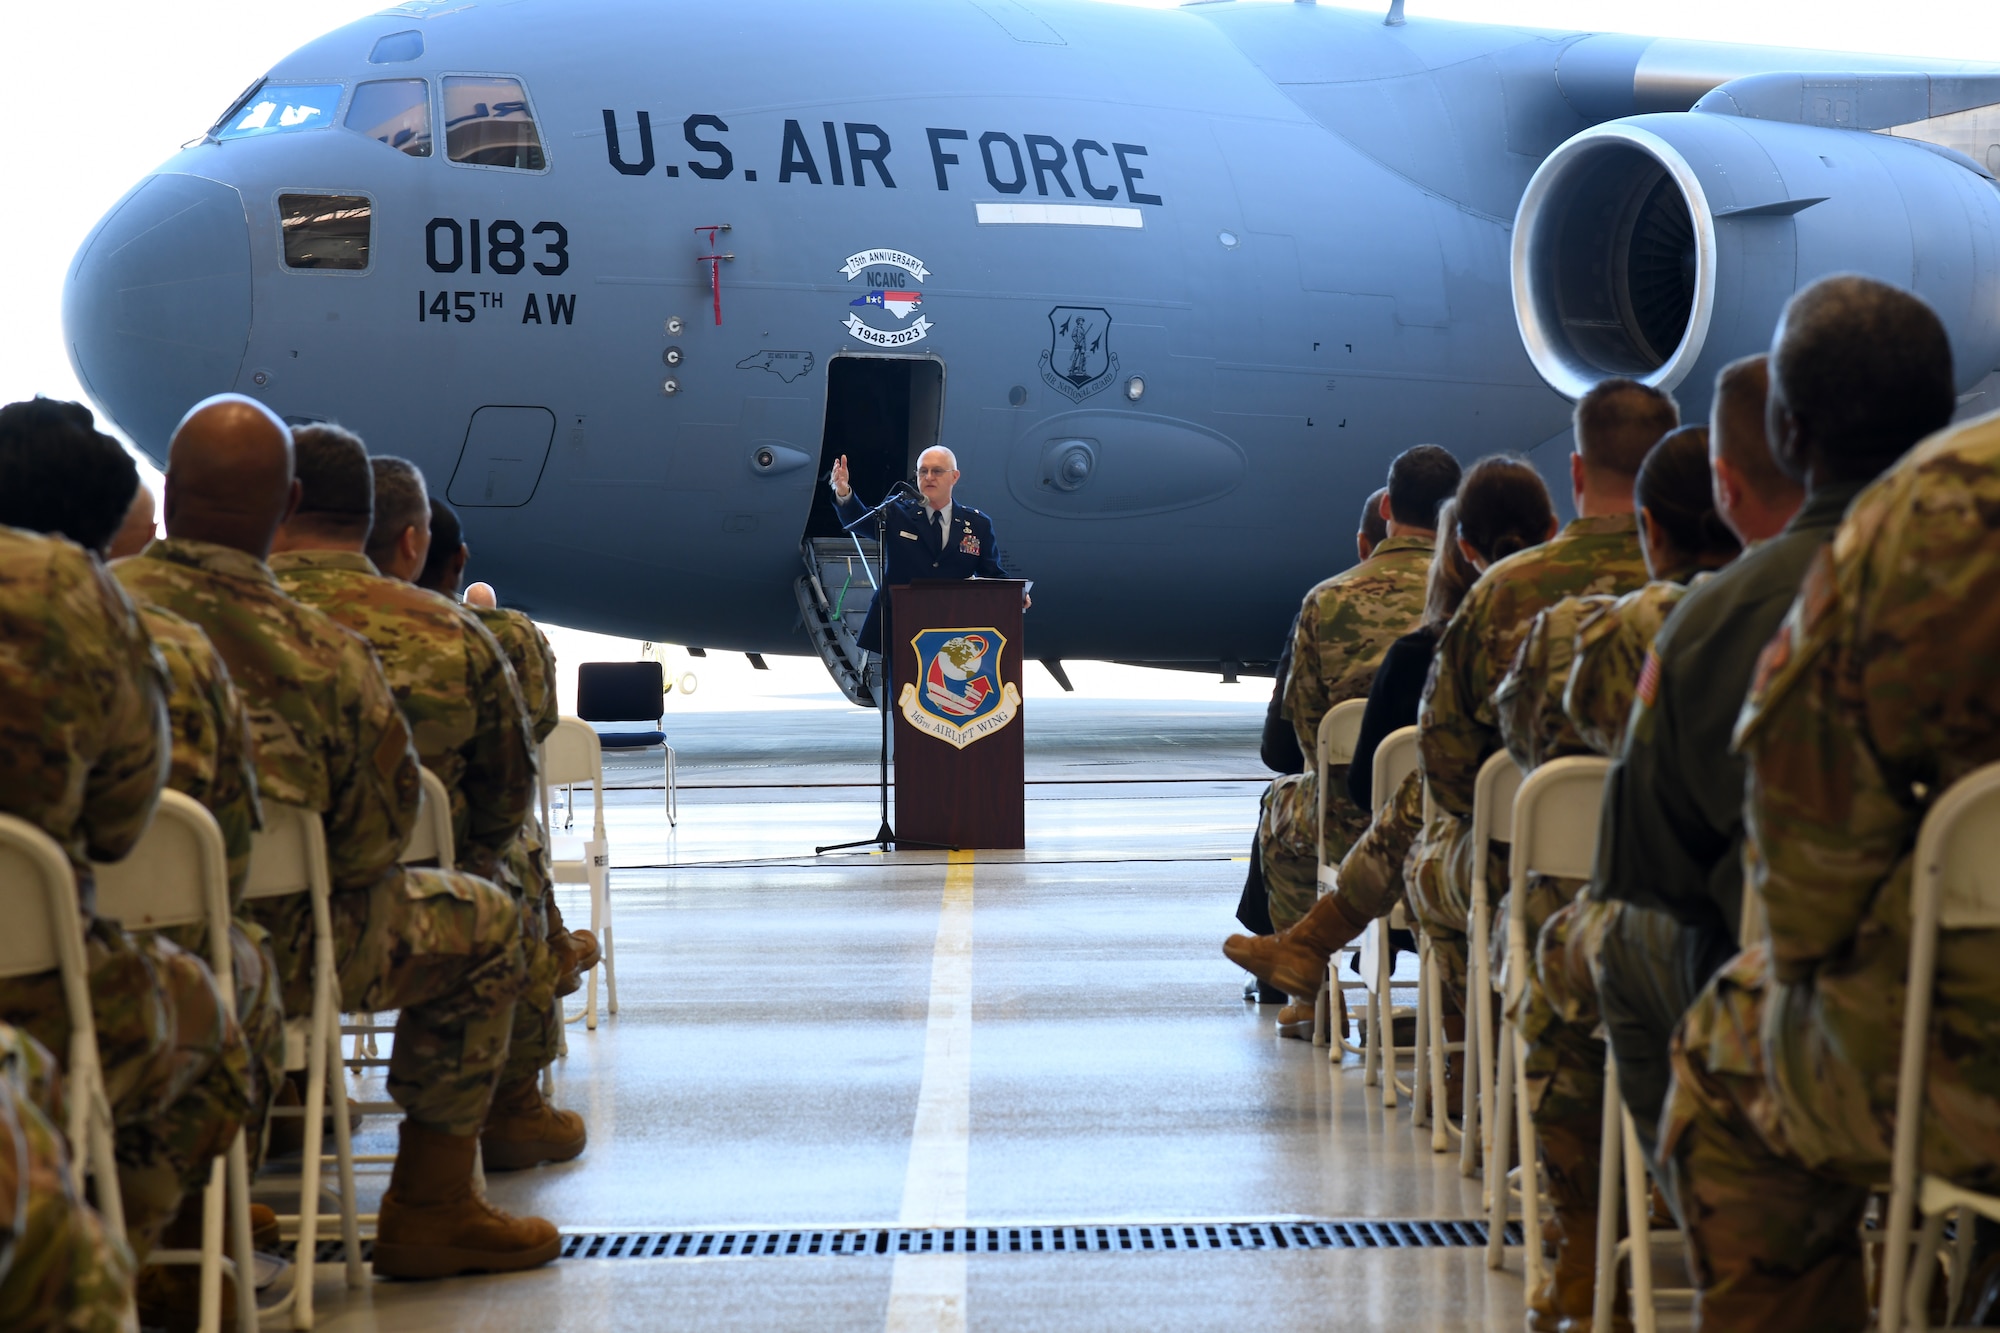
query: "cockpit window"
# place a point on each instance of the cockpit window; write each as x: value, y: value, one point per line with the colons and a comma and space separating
x: 242, y: 100
x: 396, y: 112
x: 325, y: 231
x: 488, y: 123
x: 278, y: 108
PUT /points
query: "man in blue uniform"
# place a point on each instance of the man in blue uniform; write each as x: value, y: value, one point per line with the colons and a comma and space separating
x: 936, y: 539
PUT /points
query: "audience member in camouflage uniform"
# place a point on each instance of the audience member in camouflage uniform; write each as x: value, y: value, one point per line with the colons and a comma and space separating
x: 1617, y: 424
x: 59, y: 1268
x: 1875, y: 695
x: 90, y: 488
x: 1509, y: 511
x: 361, y: 531
x: 1369, y: 882
x: 83, y: 751
x: 1670, y: 853
x: 442, y: 947
x: 1574, y: 676
x: 454, y: 685
x: 534, y: 661
x: 1344, y: 627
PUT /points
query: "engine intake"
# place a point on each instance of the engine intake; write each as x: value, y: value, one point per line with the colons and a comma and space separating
x: 1663, y: 247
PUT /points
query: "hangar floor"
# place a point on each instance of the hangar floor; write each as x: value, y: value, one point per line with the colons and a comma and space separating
x: 1044, y: 1037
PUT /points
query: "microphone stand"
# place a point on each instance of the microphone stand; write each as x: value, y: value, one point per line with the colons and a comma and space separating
x: 885, y: 835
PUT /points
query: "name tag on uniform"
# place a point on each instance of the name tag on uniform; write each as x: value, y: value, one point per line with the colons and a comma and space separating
x: 907, y: 536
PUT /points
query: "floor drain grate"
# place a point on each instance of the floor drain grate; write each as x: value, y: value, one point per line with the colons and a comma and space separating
x: 1071, y: 1238
x: 1074, y: 1238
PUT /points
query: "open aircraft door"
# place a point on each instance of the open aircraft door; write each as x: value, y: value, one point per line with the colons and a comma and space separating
x: 881, y: 413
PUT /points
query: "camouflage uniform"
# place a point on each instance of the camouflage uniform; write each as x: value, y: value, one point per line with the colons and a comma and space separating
x: 1670, y: 848
x: 534, y: 662
x: 1371, y: 874
x: 441, y: 946
x: 467, y: 719
x: 59, y: 1269
x: 1570, y: 691
x: 1459, y: 725
x: 1873, y: 698
x: 213, y: 763
x: 1345, y: 626
x: 453, y: 684
x: 83, y: 756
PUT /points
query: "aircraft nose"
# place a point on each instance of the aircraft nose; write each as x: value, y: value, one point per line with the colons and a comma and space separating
x: 157, y: 307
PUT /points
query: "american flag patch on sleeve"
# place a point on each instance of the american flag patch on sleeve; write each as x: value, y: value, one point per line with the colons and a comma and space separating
x: 1649, y: 678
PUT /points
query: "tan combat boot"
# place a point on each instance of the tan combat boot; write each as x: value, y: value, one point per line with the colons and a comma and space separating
x: 433, y: 1224
x: 1295, y: 1020
x: 522, y: 1130
x: 1294, y: 959
x: 1563, y: 1305
x: 577, y: 951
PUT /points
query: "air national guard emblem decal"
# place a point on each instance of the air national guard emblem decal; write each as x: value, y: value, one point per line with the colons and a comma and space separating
x: 1079, y: 361
x: 961, y: 698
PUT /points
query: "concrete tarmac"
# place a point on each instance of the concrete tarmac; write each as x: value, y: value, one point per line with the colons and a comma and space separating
x: 1049, y: 1036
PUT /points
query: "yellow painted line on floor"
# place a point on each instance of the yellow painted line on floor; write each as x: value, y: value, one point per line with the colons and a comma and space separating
x: 927, y: 1291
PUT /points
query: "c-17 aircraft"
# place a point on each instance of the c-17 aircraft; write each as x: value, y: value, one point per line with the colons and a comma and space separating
x: 625, y: 277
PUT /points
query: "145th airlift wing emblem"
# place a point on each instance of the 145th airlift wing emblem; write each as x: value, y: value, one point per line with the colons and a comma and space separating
x: 961, y: 698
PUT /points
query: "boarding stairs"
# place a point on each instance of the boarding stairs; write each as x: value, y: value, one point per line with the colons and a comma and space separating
x: 833, y: 593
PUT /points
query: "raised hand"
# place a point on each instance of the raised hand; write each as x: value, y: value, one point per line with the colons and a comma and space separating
x: 840, y: 487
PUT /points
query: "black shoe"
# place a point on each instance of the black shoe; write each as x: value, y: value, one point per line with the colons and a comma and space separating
x: 1404, y: 1034
x: 1256, y: 992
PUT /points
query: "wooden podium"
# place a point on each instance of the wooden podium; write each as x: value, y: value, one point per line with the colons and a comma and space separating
x: 960, y: 762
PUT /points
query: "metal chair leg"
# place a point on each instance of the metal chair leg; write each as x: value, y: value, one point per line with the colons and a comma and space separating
x: 1531, y: 1202
x: 1385, y: 1008
x: 1608, y: 1182
x: 1420, y: 1081
x: 1639, y: 1222
x: 1501, y: 1149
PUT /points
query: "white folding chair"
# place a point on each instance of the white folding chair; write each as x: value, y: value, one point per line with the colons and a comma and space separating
x: 1555, y: 833
x: 1954, y: 885
x: 571, y: 756
x: 1623, y: 1157
x: 45, y: 934
x: 288, y: 856
x: 1395, y: 758
x: 178, y: 875
x: 1338, y: 731
x: 1493, y: 795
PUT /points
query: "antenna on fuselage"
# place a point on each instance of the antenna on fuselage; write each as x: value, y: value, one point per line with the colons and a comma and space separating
x: 1395, y: 19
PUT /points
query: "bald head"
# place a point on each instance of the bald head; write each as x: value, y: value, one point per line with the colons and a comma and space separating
x: 481, y: 595
x: 229, y: 475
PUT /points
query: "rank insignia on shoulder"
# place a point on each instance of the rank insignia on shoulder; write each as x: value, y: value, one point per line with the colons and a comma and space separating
x: 968, y: 544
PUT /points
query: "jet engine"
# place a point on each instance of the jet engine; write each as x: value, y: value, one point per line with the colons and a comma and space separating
x: 1662, y: 247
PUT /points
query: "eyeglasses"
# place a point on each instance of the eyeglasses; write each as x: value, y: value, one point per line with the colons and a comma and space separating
x: 932, y: 471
